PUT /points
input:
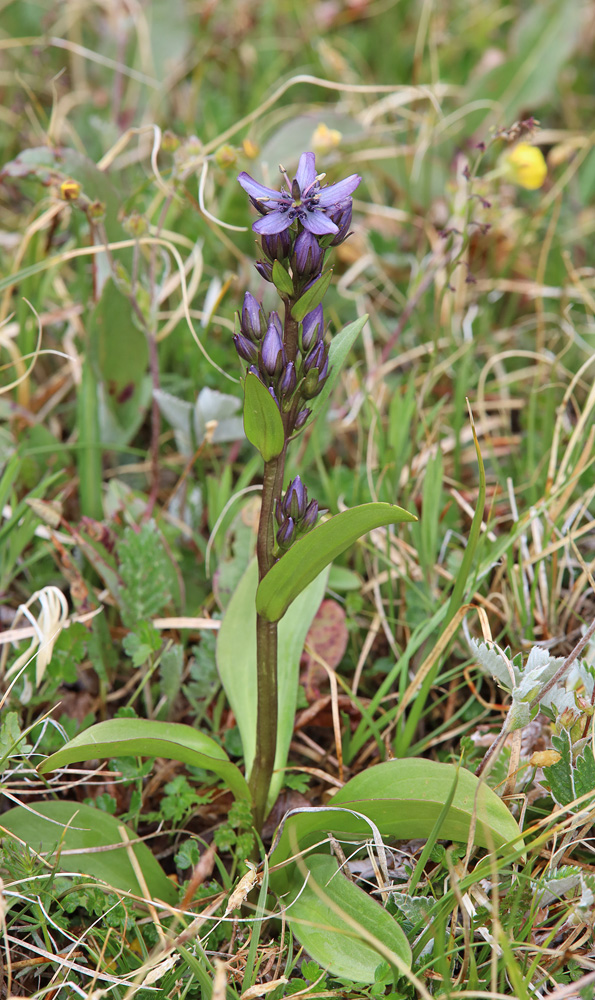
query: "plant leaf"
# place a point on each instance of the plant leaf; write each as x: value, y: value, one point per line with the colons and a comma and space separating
x: 262, y: 419
x: 144, y: 738
x: 43, y: 827
x: 312, y: 297
x: 325, y: 918
x: 308, y: 556
x: 404, y: 799
x: 339, y: 349
x: 236, y: 662
x: 281, y: 279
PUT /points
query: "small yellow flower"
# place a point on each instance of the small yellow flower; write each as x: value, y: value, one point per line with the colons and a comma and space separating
x: 324, y: 139
x: 251, y: 150
x: 525, y: 166
x: 70, y: 190
x: 226, y: 156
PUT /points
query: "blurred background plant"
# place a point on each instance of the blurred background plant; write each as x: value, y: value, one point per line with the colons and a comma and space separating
x: 127, y: 486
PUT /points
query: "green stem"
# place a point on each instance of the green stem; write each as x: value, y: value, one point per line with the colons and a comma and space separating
x: 266, y: 632
x: 266, y: 652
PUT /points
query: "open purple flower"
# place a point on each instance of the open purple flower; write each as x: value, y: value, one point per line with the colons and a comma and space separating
x: 304, y: 200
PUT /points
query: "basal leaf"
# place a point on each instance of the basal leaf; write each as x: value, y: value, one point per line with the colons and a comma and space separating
x: 262, y: 418
x: 337, y: 923
x: 71, y: 826
x: 145, y: 738
x: 309, y: 556
x: 404, y: 798
x: 236, y: 662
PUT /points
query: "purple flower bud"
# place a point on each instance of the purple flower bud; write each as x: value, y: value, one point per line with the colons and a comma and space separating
x: 279, y: 515
x: 286, y: 533
x: 316, y: 357
x: 342, y: 218
x: 301, y: 418
x: 264, y: 269
x: 253, y: 370
x: 309, y: 519
x: 276, y: 319
x: 288, y: 380
x: 308, y: 258
x: 272, y: 353
x: 312, y: 327
x: 273, y: 394
x: 245, y: 348
x: 277, y: 246
x: 253, y: 323
x: 295, y: 499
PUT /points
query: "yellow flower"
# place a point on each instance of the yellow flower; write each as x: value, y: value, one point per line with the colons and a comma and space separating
x: 70, y: 190
x: 525, y: 166
x: 324, y: 139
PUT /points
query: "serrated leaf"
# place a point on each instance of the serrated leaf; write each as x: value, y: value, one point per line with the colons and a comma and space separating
x: 262, y: 420
x: 281, y: 279
x: 312, y: 297
x: 309, y: 555
x: 238, y: 672
x: 144, y: 738
x: 336, y: 922
x: 404, y: 798
x: 567, y: 780
x: 72, y: 826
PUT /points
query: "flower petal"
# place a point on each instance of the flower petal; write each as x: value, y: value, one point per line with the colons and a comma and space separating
x: 274, y: 222
x: 334, y: 194
x: 306, y: 171
x: 256, y: 190
x: 317, y: 223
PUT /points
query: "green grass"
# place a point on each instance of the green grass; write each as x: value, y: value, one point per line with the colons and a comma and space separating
x: 477, y: 290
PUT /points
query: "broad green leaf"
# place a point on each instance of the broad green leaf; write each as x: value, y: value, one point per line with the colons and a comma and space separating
x: 339, y: 349
x: 117, y: 348
x: 312, y: 297
x: 308, y: 556
x: 281, y: 279
x: 404, y: 799
x: 70, y: 826
x: 262, y: 419
x: 325, y: 918
x: 236, y: 662
x: 144, y: 738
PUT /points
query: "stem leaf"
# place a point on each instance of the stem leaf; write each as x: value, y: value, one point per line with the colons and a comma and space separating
x: 312, y: 297
x: 281, y: 279
x: 262, y: 420
x: 309, y: 555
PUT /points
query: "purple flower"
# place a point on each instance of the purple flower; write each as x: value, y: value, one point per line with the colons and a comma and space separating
x: 295, y: 499
x: 342, y: 218
x: 288, y: 380
x: 316, y: 357
x: 312, y: 327
x: 272, y: 352
x: 307, y: 257
x: 277, y: 246
x: 286, y: 533
x: 245, y: 348
x: 311, y: 513
x: 301, y: 418
x: 253, y: 323
x: 303, y: 200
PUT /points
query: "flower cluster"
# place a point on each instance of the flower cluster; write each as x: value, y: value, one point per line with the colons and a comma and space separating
x: 295, y: 516
x: 260, y: 343
x: 297, y: 225
x: 301, y: 220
